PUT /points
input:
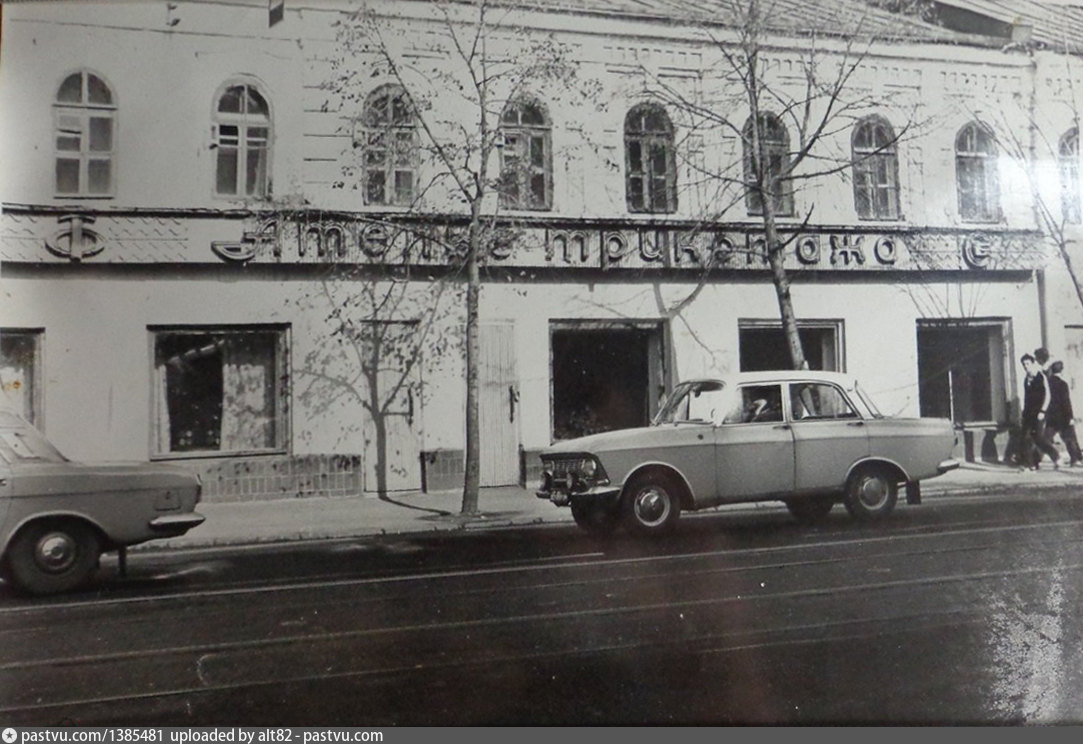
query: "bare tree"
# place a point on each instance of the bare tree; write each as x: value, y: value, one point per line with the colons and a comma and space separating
x: 455, y: 65
x: 378, y: 326
x: 1049, y: 162
x: 789, y: 131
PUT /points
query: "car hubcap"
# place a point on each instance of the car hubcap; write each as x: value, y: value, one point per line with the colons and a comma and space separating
x: 873, y: 492
x: 652, y: 506
x: 56, y: 552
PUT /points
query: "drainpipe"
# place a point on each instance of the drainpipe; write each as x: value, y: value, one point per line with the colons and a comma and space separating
x: 1043, y: 309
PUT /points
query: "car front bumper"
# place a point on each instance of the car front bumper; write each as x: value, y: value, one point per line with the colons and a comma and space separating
x: 606, y: 495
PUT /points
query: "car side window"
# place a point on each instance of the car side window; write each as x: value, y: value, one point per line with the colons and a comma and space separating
x: 817, y: 400
x: 756, y: 404
x: 702, y: 405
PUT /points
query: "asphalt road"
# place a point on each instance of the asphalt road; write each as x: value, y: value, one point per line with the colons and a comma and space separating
x: 965, y: 610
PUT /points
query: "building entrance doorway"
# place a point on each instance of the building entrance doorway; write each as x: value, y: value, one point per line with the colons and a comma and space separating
x: 961, y: 370
x: 605, y: 376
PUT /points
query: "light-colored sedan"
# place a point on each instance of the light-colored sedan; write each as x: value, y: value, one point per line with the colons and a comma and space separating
x: 58, y: 516
x: 809, y: 439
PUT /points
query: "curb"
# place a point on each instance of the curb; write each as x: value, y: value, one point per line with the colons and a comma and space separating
x: 462, y: 524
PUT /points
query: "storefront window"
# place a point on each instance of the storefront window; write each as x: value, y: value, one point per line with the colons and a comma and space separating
x: 20, y: 371
x: 219, y: 390
x: 960, y: 371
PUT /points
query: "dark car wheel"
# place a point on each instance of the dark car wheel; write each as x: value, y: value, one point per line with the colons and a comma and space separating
x: 595, y: 519
x: 811, y: 509
x: 651, y: 504
x: 871, y: 493
x: 52, y: 556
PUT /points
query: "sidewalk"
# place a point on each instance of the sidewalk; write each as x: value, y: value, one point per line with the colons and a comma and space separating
x: 315, y: 518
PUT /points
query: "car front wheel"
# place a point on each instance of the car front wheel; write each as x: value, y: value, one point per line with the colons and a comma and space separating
x: 871, y: 493
x: 53, y: 556
x: 652, y: 505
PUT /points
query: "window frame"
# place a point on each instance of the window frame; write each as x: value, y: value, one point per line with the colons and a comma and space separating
x: 83, y: 114
x: 875, y: 170
x: 281, y: 375
x: 743, y: 412
x: 777, y: 150
x: 400, y: 158
x: 36, y: 336
x: 798, y: 388
x: 644, y: 198
x: 244, y: 144
x: 977, y: 177
x: 1068, y: 167
x: 527, y: 138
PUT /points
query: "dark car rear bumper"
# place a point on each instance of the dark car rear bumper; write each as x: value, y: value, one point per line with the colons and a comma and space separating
x: 947, y: 466
x: 172, y: 525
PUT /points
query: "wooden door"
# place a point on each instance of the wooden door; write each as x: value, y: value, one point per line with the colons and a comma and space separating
x: 498, y: 405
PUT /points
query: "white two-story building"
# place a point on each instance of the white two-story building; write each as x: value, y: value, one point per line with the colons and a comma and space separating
x: 199, y: 197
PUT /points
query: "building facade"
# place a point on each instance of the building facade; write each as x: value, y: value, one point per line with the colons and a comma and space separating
x: 212, y: 225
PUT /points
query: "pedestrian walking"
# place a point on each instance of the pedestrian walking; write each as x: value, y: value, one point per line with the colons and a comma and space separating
x: 1060, y: 417
x: 1041, y: 356
x: 1035, y: 410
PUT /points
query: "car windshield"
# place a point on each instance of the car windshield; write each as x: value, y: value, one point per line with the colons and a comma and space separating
x: 867, y: 401
x: 19, y: 442
x: 692, y: 402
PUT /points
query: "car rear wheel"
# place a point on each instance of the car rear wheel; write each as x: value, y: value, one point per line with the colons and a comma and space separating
x: 652, y: 504
x: 811, y: 509
x: 871, y: 493
x: 595, y: 519
x: 53, y: 556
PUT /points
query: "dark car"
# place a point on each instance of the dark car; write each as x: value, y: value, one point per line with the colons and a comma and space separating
x: 57, y: 516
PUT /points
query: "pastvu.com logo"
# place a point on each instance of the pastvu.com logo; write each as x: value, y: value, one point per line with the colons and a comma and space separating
x: 9, y: 736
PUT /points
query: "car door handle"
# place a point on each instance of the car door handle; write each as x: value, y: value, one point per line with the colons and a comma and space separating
x: 856, y: 423
x: 781, y: 426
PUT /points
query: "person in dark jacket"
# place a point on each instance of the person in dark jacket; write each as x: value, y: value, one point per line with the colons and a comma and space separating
x: 1035, y: 409
x: 1060, y: 417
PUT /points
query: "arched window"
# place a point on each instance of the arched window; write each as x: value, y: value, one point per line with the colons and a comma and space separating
x: 650, y: 160
x: 1068, y: 159
x: 390, y: 147
x: 976, y: 174
x: 876, y: 170
x: 526, y: 159
x: 85, y: 115
x: 768, y: 181
x: 242, y: 140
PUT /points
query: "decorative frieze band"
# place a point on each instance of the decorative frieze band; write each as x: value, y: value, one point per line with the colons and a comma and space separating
x: 567, y: 245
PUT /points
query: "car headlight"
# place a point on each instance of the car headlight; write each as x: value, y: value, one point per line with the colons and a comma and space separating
x: 588, y: 468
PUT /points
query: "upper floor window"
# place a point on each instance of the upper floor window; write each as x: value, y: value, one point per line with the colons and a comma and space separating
x: 242, y: 140
x: 1068, y: 159
x: 390, y: 147
x: 526, y: 159
x: 85, y: 115
x: 768, y: 180
x: 650, y: 160
x: 976, y: 174
x: 876, y: 170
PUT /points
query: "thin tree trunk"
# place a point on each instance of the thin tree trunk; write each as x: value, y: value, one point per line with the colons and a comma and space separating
x: 471, y: 476
x: 781, y: 280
